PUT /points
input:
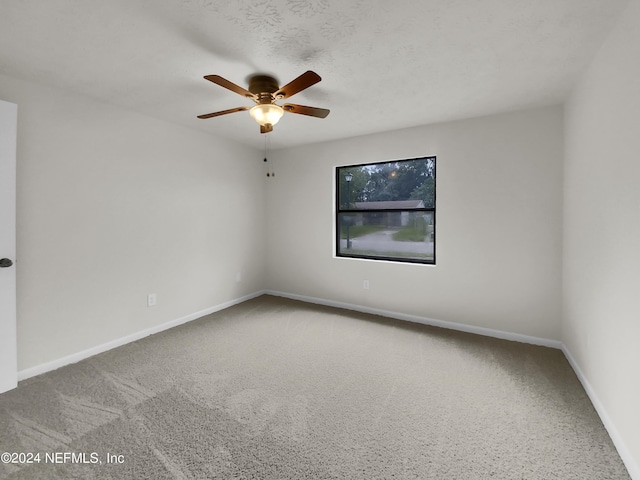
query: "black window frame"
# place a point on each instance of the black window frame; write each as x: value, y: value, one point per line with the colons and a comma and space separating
x: 340, y: 210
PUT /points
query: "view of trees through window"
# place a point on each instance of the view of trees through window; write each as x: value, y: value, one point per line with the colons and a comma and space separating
x: 386, y: 210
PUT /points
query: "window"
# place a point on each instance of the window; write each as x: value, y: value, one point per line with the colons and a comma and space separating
x: 387, y: 210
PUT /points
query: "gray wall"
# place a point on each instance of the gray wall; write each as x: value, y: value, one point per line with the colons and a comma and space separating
x: 112, y: 206
x: 499, y: 221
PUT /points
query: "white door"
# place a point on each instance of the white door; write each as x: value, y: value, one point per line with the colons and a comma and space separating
x: 8, y: 346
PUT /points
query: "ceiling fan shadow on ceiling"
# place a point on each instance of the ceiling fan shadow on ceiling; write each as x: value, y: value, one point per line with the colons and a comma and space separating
x: 264, y: 91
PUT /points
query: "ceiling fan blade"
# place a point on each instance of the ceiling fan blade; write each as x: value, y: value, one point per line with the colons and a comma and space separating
x: 310, y: 111
x: 223, y: 82
x: 266, y: 128
x: 224, y: 112
x: 305, y: 80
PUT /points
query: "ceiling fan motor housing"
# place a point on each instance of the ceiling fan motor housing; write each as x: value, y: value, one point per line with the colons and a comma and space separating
x: 263, y: 84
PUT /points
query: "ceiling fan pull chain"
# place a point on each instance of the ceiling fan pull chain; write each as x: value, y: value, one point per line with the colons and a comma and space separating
x: 266, y: 154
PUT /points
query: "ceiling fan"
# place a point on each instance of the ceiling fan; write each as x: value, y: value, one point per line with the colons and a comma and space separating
x: 264, y: 91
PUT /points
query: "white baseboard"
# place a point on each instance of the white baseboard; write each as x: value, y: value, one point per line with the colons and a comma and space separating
x: 630, y: 463
x: 487, y: 332
x: 632, y: 466
x: 76, y: 357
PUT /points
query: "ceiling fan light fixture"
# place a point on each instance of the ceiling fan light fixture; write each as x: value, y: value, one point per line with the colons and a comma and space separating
x: 266, y: 113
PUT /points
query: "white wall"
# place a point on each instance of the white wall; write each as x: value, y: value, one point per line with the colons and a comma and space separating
x: 499, y: 220
x: 601, y: 318
x: 112, y: 206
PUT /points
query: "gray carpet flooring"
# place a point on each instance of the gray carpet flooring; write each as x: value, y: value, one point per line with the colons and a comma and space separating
x: 280, y: 389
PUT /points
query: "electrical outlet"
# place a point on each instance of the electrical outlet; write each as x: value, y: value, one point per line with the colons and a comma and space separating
x: 238, y: 277
x: 365, y: 284
x: 151, y: 300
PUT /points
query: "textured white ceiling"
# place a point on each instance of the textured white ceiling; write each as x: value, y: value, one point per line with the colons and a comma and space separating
x: 385, y: 65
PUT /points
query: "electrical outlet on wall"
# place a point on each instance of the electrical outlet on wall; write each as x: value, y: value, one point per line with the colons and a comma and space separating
x: 238, y: 277
x: 365, y: 284
x: 151, y: 300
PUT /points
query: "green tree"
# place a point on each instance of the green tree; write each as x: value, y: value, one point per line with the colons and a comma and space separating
x: 351, y: 192
x: 426, y: 192
x: 393, y: 181
x: 382, y: 185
